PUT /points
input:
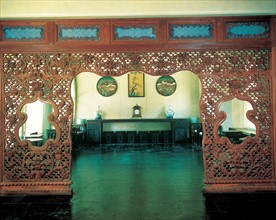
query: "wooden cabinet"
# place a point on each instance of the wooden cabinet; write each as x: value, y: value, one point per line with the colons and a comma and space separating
x: 179, y: 130
x: 94, y: 131
x: 196, y: 133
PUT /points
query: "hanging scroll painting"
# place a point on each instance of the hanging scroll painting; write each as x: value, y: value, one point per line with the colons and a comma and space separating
x: 166, y: 85
x: 136, y: 84
x: 107, y: 86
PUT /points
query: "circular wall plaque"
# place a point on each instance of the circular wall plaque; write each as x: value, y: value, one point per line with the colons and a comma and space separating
x: 166, y: 85
x: 107, y: 86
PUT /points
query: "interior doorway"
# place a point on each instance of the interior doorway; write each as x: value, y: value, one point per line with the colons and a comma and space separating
x: 142, y: 178
x: 183, y: 102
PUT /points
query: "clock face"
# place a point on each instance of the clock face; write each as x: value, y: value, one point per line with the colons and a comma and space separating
x: 136, y: 111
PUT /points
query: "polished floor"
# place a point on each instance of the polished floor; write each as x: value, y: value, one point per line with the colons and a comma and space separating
x: 138, y: 182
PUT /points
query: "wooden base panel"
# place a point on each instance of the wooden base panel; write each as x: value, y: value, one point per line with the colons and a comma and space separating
x: 35, y: 188
x: 239, y: 188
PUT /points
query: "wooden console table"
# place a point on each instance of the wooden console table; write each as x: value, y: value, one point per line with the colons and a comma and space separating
x: 178, y: 128
x: 245, y: 131
x: 35, y: 139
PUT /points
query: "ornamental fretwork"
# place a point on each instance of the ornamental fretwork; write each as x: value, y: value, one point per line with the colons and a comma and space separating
x: 224, y: 74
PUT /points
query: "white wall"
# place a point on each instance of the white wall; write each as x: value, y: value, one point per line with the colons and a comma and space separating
x: 240, y: 120
x: 133, y: 8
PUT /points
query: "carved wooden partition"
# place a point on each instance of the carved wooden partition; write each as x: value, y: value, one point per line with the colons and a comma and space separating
x: 46, y: 72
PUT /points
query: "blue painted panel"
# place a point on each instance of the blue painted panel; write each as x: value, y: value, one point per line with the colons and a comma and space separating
x: 248, y: 30
x: 23, y: 33
x: 135, y: 33
x: 190, y: 31
x: 79, y: 33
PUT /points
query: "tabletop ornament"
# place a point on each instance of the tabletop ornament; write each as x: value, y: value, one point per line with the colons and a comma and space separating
x: 169, y: 112
x: 99, y: 113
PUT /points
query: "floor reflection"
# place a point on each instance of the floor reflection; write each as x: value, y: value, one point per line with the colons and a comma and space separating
x: 128, y: 182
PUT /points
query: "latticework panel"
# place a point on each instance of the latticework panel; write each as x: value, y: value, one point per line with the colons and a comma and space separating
x: 28, y: 77
x: 253, y: 159
x: 224, y: 74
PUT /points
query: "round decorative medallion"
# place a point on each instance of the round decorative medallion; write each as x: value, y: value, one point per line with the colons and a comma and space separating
x: 107, y: 86
x: 166, y: 85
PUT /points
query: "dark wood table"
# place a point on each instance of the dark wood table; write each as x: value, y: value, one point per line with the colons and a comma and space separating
x: 179, y: 127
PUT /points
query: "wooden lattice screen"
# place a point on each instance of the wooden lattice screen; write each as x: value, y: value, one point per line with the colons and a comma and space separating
x: 224, y: 74
x: 234, y: 57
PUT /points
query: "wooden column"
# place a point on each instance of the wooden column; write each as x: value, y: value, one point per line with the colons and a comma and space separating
x: 2, y: 120
x: 273, y: 73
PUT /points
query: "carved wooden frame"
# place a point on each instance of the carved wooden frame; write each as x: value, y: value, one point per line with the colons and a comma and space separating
x: 42, y: 71
x: 221, y: 117
x: 48, y: 76
x: 22, y: 118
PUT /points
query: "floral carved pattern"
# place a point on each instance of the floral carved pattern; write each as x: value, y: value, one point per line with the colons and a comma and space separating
x: 224, y: 74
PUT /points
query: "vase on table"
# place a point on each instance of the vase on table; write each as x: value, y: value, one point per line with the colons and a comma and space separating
x: 98, y: 114
x: 169, y: 112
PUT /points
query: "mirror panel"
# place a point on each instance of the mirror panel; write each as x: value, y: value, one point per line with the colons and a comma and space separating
x: 36, y: 127
x: 236, y: 126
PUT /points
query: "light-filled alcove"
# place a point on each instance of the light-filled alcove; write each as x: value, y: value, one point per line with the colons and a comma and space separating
x: 37, y: 127
x: 236, y: 110
x: 184, y: 101
x: 237, y: 126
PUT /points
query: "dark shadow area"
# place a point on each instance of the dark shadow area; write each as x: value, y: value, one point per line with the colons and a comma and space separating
x: 35, y: 207
x: 240, y: 206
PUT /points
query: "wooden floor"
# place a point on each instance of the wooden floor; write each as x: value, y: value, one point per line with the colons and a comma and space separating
x: 138, y: 182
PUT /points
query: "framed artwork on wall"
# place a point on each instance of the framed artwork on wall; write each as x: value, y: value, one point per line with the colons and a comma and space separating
x: 107, y: 86
x: 166, y: 85
x: 136, y: 84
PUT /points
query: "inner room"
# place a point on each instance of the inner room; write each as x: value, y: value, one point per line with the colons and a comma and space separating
x: 178, y: 100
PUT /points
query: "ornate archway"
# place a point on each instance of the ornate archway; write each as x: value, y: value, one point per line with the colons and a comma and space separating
x: 223, y: 73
